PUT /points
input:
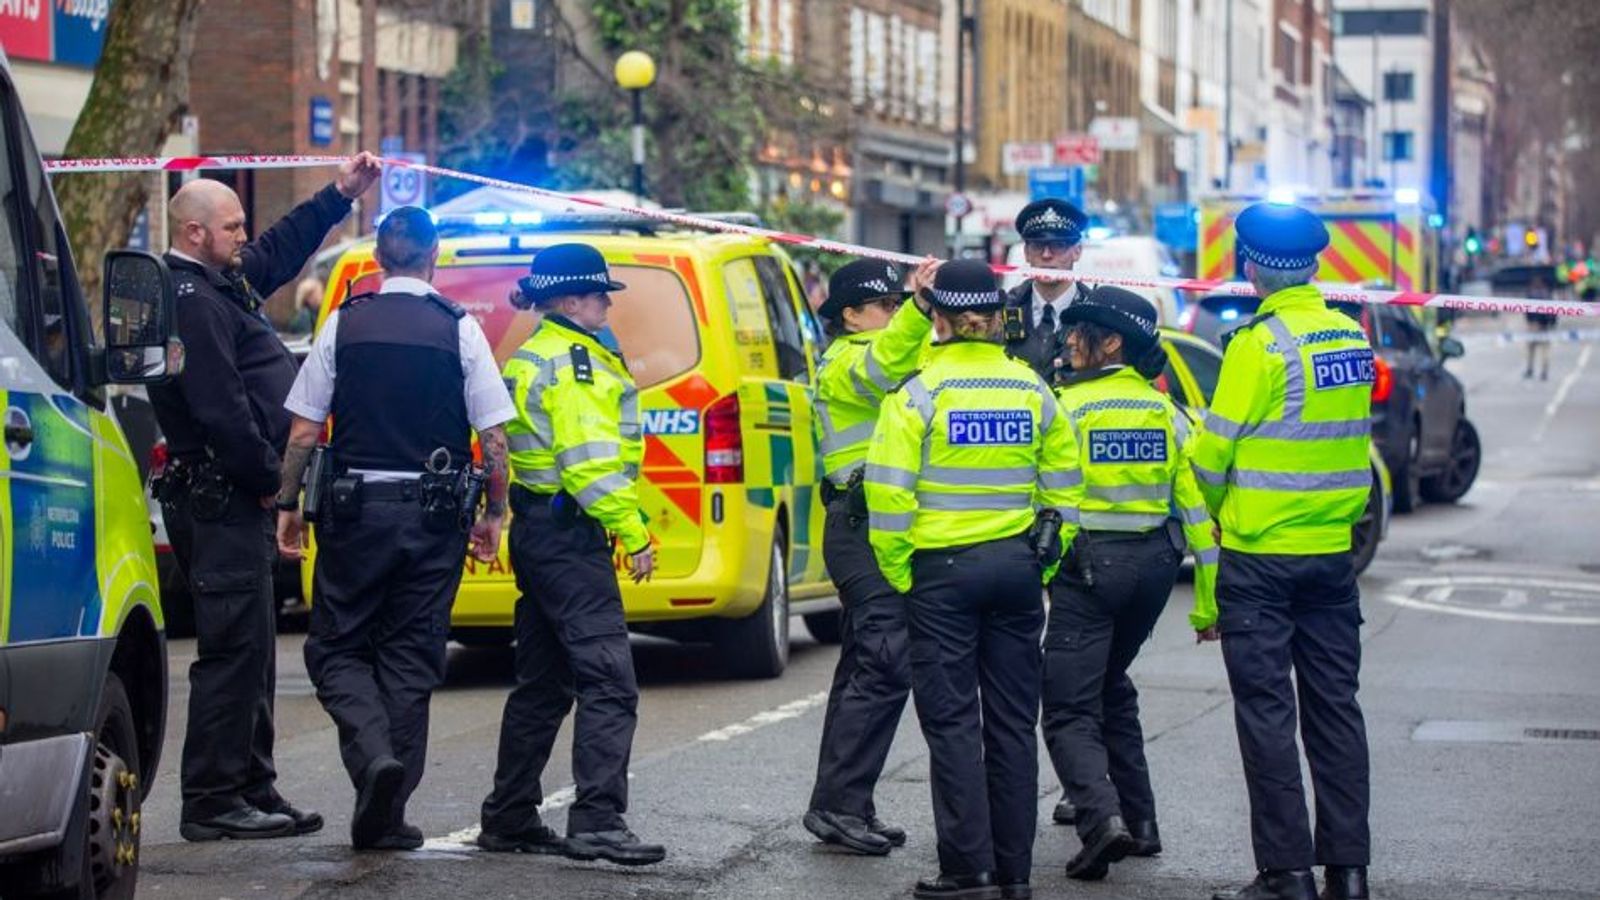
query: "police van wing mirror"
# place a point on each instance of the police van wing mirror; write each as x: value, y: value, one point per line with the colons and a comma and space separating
x: 1451, y: 348
x: 141, y: 347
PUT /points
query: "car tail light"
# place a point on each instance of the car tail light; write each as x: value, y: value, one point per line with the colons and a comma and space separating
x: 158, y: 458
x: 1383, y: 384
x: 724, y: 444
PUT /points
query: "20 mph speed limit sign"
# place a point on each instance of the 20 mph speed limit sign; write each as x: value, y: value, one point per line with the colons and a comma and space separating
x: 403, y: 186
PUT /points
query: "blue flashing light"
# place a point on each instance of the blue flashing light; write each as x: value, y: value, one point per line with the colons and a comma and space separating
x: 490, y: 219
x: 528, y: 217
x: 1098, y: 233
x: 1407, y: 196
x: 1435, y: 220
x: 1229, y: 314
x: 1285, y: 196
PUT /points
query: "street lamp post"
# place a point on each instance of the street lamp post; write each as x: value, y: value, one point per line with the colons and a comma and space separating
x: 635, y: 71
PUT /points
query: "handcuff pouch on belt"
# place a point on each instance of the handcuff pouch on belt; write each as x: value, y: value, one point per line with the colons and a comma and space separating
x: 1079, y: 559
x: 855, y: 496
x: 1045, y: 537
x: 201, y: 485
x: 449, y: 495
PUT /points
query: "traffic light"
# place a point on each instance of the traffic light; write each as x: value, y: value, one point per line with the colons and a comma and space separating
x: 1473, y: 245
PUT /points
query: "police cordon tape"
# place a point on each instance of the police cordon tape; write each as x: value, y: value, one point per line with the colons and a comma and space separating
x: 1341, y: 293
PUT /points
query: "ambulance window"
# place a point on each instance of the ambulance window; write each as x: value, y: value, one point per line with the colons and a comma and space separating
x: 10, y: 249
x: 785, y: 324
x: 54, y: 274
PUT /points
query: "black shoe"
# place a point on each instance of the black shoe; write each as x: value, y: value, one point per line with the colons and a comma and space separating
x: 1344, y: 883
x: 306, y: 821
x: 398, y: 837
x: 244, y: 824
x: 957, y: 887
x: 537, y: 839
x: 1018, y: 890
x: 375, y: 802
x: 620, y: 846
x: 1109, y: 842
x: 894, y: 834
x: 1277, y: 884
x: 1146, y: 839
x: 851, y: 832
x: 1065, y: 813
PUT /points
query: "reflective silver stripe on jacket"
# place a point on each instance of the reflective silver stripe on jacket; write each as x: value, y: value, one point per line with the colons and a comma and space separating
x: 1122, y: 493
x: 603, y: 487
x: 843, y: 439
x: 1115, y: 521
x: 1209, y: 556
x: 1056, y: 479
x: 1069, y: 514
x: 541, y: 476
x: 1294, y: 371
x: 520, y: 442
x: 918, y: 398
x: 993, y: 476
x: 891, y: 476
x: 1195, y: 515
x: 1209, y: 476
x: 876, y: 374
x: 1301, y: 481
x: 1180, y: 427
x: 586, y: 452
x: 993, y: 501
x: 886, y: 521
x: 1289, y: 431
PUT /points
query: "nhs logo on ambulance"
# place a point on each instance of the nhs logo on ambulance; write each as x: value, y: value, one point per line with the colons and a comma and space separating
x: 990, y: 426
x: 1127, y: 445
x: 671, y: 421
x: 1342, y: 368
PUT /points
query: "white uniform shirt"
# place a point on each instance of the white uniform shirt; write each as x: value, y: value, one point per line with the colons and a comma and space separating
x: 1067, y: 298
x: 488, y: 402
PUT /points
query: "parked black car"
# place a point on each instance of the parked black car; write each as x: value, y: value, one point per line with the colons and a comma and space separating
x: 1419, y: 410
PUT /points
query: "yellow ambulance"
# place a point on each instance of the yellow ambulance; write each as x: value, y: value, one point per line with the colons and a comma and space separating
x: 716, y: 330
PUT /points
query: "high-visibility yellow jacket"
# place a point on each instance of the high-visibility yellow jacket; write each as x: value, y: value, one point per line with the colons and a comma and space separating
x: 1283, y: 456
x: 1136, y: 446
x: 577, y: 427
x: 856, y: 372
x: 966, y: 451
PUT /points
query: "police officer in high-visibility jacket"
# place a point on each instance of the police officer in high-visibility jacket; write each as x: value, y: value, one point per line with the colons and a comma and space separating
x: 1136, y: 445
x: 972, y: 483
x: 878, y: 340
x: 1283, y: 464
x: 575, y: 453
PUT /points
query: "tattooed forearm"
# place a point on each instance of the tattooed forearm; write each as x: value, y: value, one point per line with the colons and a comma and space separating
x: 493, y: 442
x: 302, y: 440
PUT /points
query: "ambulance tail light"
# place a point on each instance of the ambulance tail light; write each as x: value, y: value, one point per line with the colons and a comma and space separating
x: 1383, y: 384
x: 724, y: 444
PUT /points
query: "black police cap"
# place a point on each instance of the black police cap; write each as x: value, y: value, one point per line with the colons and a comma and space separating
x: 1120, y: 310
x: 1052, y: 219
x: 966, y: 285
x: 860, y: 281
x: 564, y: 270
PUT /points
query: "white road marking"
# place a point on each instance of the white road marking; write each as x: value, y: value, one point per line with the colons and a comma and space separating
x: 1436, y: 593
x: 466, y: 839
x: 789, y: 710
x: 1562, y: 390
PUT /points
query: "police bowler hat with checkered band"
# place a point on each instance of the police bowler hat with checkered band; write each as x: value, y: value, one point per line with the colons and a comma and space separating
x: 966, y: 285
x: 1052, y: 219
x: 1280, y: 235
x: 564, y: 270
x: 1120, y: 310
x: 859, y: 282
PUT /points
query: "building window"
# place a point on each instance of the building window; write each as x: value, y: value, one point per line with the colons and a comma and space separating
x: 1399, y: 86
x: 858, y: 56
x: 1289, y: 57
x: 1397, y: 146
x: 1368, y: 22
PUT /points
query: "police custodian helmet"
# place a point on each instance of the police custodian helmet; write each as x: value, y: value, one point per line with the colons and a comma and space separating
x: 563, y: 270
x: 861, y: 281
x: 1280, y: 235
x: 1121, y: 311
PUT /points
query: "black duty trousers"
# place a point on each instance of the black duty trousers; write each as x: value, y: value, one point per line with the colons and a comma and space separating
x: 380, y: 617
x: 1091, y: 708
x: 975, y: 615
x: 227, y: 747
x: 1278, y: 613
x: 873, y: 678
x: 572, y: 642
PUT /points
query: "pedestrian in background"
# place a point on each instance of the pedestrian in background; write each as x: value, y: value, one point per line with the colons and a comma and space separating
x: 1052, y: 238
x: 1282, y: 462
x: 407, y: 378
x: 1136, y: 446
x: 224, y: 422
x: 879, y: 338
x: 1539, y: 326
x: 576, y: 446
x: 962, y: 454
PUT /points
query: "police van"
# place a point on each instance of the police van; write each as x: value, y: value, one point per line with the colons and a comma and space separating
x: 83, y: 669
x: 716, y: 331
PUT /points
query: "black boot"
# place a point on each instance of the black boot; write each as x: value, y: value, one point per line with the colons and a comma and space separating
x: 850, y: 832
x: 1344, y: 883
x: 380, y: 784
x: 1146, y: 838
x: 894, y: 834
x: 620, y: 846
x: 536, y: 838
x: 1065, y: 813
x: 1109, y: 842
x: 957, y: 887
x: 1275, y: 884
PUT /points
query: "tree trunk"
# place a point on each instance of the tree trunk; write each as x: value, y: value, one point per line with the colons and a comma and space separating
x: 139, y: 94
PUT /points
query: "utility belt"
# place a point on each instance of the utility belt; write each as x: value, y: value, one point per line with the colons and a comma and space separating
x: 1080, y: 562
x: 853, y: 494
x: 563, y: 507
x: 449, y: 495
x: 198, y: 483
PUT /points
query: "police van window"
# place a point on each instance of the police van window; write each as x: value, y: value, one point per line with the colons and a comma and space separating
x: 11, y: 302
x: 785, y: 324
x: 62, y: 322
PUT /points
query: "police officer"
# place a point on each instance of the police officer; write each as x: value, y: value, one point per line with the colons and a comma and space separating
x: 407, y: 377
x: 1283, y: 465
x: 879, y: 338
x: 224, y: 423
x: 1052, y: 238
x: 1105, y: 601
x: 576, y: 448
x: 959, y: 454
